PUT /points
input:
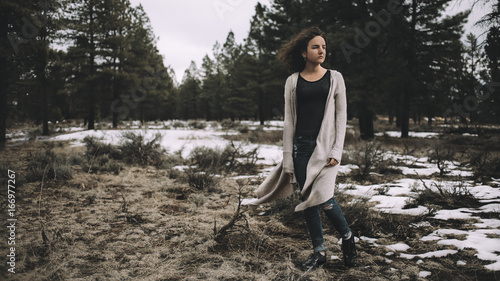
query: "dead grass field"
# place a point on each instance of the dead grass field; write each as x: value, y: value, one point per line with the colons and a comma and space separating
x: 143, y: 225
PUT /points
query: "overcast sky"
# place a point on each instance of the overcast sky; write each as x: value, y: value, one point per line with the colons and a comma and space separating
x: 188, y: 29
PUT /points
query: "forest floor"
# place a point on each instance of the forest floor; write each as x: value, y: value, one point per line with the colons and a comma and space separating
x: 145, y: 222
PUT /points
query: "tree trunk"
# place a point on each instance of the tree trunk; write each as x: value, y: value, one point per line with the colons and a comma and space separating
x: 92, y: 69
x: 366, y: 122
x: 91, y: 120
x: 45, y: 106
x: 261, y: 107
x: 398, y: 119
x: 141, y: 112
x: 405, y: 116
x: 114, y: 94
x: 42, y: 66
x: 405, y: 122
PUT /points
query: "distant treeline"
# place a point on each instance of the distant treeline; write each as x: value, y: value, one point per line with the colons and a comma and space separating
x: 98, y: 60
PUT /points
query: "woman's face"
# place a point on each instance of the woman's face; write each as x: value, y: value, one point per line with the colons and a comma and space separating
x: 316, y: 50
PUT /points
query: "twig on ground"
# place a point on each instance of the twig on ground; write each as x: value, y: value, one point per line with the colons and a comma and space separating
x: 238, y: 215
x: 124, y: 205
x: 41, y: 189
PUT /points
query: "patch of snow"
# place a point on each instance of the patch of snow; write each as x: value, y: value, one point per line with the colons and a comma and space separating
x: 389, y: 203
x: 421, y: 224
x: 423, y: 274
x: 346, y: 169
x: 493, y: 266
x: 485, y: 241
x: 491, y: 208
x: 399, y: 247
x: 426, y: 169
x: 488, y: 223
x: 270, y: 154
x: 434, y: 254
x: 461, y: 213
x: 485, y: 192
x: 248, y: 201
x: 397, y: 134
x: 15, y: 134
x: 419, y: 171
x: 243, y: 177
x: 440, y: 233
x: 156, y: 126
x: 181, y: 168
x: 369, y: 240
x: 334, y: 257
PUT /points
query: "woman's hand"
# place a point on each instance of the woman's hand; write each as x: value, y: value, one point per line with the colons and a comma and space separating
x: 331, y: 162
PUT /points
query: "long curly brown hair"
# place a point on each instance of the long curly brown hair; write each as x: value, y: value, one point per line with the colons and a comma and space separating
x: 291, y: 53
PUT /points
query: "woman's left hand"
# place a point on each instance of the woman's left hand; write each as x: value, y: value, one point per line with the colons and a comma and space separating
x: 331, y: 162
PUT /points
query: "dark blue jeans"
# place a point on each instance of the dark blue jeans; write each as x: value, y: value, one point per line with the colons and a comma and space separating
x: 303, y: 147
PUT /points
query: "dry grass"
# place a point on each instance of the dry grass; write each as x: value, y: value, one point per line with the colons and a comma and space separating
x: 144, y: 225
x: 259, y: 136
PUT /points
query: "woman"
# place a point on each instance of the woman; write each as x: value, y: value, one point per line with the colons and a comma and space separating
x: 313, y: 139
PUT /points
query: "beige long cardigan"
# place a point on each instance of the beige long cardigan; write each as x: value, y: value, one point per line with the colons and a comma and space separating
x: 320, y: 180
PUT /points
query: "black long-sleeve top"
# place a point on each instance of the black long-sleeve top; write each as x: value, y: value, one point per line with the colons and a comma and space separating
x: 311, y: 101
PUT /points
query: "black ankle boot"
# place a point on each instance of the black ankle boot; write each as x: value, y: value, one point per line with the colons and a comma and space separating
x: 349, y: 251
x: 314, y: 261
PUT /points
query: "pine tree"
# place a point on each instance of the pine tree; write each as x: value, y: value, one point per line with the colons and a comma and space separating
x: 489, y: 95
x: 240, y: 100
x: 265, y: 71
x: 10, y: 29
x: 20, y: 23
x: 228, y: 57
x: 433, y: 47
x: 40, y: 58
x: 188, y: 107
x: 209, y: 89
x: 142, y: 62
x: 84, y: 21
x: 116, y: 25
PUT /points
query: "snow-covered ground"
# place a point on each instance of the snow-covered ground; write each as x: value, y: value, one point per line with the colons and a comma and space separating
x: 485, y: 233
x: 397, y: 134
x: 482, y: 235
x: 177, y: 139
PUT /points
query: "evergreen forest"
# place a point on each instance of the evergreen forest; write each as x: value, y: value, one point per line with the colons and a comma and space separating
x: 98, y: 61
